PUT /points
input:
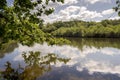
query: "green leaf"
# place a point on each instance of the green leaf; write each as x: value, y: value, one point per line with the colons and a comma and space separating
x: 119, y: 13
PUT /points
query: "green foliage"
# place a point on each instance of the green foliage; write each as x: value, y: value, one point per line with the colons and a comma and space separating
x: 68, y: 32
x: 7, y: 48
x: 117, y: 8
x: 3, y: 4
x: 18, y: 23
x: 103, y: 29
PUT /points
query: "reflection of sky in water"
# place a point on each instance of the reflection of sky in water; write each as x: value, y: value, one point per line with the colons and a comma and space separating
x: 105, y: 60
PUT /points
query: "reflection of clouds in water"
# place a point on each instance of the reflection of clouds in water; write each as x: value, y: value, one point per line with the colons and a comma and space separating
x: 18, y: 58
x: 95, y: 60
x: 94, y: 66
x: 110, y: 51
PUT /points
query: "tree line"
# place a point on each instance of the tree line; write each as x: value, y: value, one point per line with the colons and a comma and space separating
x: 103, y: 29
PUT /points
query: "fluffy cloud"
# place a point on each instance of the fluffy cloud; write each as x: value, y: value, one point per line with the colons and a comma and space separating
x: 90, y: 14
x: 74, y: 12
x: 95, y: 1
x: 71, y: 9
x: 66, y: 2
x: 108, y: 11
x: 69, y: 2
x: 116, y: 17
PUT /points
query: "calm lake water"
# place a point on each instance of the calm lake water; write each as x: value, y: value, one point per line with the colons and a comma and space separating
x: 91, y: 59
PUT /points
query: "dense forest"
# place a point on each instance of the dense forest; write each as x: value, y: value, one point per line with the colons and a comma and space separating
x: 103, y: 29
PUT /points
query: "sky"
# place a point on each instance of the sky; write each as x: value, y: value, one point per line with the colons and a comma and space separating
x: 87, y: 10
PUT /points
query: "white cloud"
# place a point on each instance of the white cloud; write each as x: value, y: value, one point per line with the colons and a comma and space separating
x: 71, y: 9
x: 92, y: 1
x: 108, y: 11
x: 116, y: 17
x: 69, y: 2
x: 90, y: 14
x: 95, y: 1
x: 74, y: 12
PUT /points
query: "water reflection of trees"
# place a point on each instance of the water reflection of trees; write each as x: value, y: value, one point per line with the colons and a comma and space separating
x: 95, y: 42
x: 77, y: 42
x: 36, y: 66
x: 7, y: 48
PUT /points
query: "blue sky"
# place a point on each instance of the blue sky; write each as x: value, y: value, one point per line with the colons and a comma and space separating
x: 88, y: 10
